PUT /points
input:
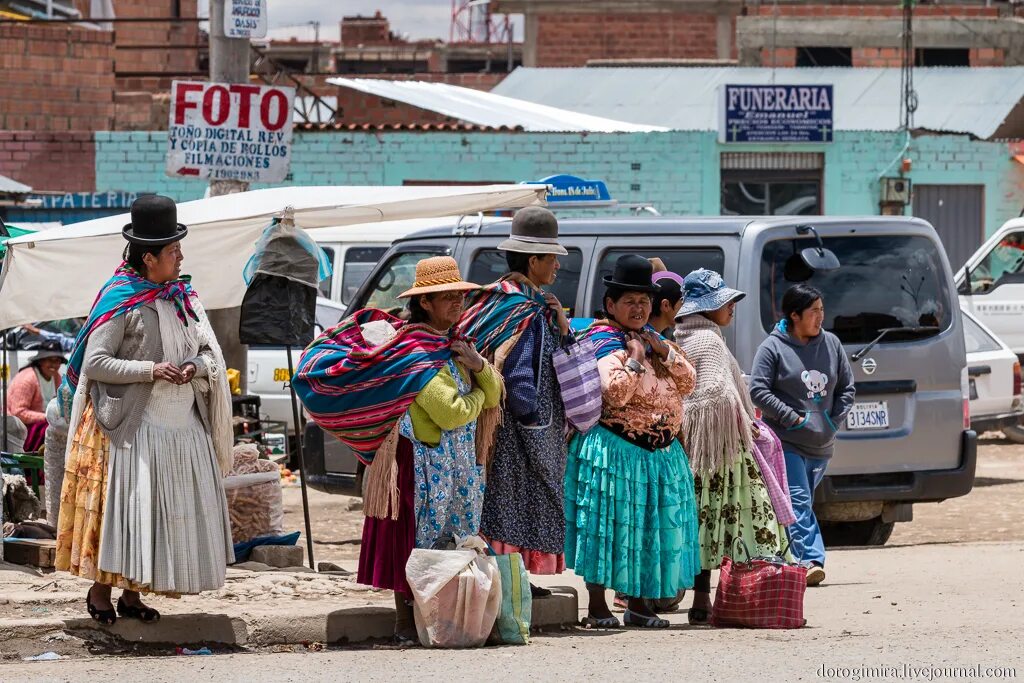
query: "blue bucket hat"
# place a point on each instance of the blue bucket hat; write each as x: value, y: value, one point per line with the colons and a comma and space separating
x: 705, y: 290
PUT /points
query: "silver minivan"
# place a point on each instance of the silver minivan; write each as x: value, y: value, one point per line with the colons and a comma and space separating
x: 891, y: 302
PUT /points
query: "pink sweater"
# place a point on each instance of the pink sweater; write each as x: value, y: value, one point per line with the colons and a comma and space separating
x: 24, y: 399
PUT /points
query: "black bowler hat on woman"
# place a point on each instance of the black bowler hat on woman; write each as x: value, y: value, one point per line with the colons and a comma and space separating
x: 154, y: 222
x: 632, y: 273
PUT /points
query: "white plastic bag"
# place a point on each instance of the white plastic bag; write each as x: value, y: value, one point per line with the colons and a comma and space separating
x: 457, y: 595
x: 253, y: 490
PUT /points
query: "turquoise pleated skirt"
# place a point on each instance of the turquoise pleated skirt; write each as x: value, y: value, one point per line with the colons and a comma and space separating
x: 630, y: 516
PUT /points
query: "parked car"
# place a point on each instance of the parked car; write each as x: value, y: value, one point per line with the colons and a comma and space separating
x: 995, y: 383
x: 892, y: 300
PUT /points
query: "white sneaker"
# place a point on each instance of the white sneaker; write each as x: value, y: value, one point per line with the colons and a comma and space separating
x: 815, y: 575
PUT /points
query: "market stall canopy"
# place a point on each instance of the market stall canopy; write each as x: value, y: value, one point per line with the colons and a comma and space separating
x: 487, y: 109
x: 56, y: 273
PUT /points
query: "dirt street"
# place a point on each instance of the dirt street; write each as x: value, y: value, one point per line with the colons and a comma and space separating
x: 946, y: 592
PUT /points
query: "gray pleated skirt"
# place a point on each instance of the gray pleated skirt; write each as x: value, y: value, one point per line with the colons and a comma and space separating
x: 165, y: 523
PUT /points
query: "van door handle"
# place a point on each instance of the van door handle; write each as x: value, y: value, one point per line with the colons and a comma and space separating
x: 979, y: 370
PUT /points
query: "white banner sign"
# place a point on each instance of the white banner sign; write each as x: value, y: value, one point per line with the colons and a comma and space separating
x: 245, y: 18
x: 236, y: 131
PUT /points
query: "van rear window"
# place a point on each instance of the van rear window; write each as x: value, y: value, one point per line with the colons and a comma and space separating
x: 883, y: 281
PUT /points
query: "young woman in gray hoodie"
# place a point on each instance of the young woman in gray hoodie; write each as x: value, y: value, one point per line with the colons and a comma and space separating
x: 803, y: 383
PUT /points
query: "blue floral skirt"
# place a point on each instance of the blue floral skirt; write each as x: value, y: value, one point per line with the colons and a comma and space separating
x: 630, y: 516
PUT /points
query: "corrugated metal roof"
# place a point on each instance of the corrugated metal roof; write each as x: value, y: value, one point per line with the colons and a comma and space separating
x: 488, y: 109
x: 385, y: 127
x: 977, y: 101
x: 10, y: 186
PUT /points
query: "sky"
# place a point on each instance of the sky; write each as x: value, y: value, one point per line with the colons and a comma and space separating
x: 417, y: 18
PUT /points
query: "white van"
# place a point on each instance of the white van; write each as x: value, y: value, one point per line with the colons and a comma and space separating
x: 991, y: 284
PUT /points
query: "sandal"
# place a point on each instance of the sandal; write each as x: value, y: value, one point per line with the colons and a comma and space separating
x: 146, y: 615
x: 594, y: 622
x: 631, y: 618
x: 698, y: 616
x: 107, y: 617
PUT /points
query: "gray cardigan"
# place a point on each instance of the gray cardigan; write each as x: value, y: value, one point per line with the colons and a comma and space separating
x: 119, y: 361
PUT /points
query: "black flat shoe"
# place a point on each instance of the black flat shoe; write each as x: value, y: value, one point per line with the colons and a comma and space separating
x: 107, y: 617
x: 146, y: 615
x: 538, y: 592
x: 697, y: 616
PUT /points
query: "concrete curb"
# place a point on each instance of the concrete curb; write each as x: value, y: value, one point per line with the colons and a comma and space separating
x: 315, y: 623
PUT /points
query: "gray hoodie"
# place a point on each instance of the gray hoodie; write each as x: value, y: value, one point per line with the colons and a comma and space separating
x: 803, y: 390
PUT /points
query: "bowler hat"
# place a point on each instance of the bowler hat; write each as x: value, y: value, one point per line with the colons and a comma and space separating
x: 154, y: 222
x: 534, y: 231
x: 633, y: 273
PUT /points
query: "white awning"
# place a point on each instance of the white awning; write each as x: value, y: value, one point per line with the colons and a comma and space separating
x: 56, y: 273
x: 488, y: 109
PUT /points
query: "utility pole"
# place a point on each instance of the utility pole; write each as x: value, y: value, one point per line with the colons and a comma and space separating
x: 229, y: 63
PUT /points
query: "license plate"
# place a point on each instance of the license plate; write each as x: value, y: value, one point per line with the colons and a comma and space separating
x: 281, y: 375
x: 868, y: 415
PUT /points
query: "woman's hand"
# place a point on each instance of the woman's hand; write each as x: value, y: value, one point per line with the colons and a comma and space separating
x: 635, y: 349
x: 188, y: 372
x: 555, y: 305
x: 168, y: 372
x: 468, y: 356
x: 657, y: 343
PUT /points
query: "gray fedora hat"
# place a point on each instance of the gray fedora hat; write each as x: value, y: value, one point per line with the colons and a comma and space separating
x: 704, y: 290
x: 534, y: 231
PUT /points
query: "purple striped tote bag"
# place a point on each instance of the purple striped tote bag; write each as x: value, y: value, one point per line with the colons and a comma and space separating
x: 576, y: 370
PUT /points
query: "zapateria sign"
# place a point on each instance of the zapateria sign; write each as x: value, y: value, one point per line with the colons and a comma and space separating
x: 776, y: 113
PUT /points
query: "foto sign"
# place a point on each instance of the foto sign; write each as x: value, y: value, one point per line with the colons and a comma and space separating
x: 245, y: 18
x: 776, y: 113
x: 230, y: 131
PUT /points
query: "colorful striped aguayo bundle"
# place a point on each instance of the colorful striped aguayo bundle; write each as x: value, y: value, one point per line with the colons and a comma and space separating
x: 501, y: 311
x: 126, y: 291
x: 357, y: 391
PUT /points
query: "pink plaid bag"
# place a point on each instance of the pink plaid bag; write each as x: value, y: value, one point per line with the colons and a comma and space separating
x: 763, y: 592
x: 576, y: 370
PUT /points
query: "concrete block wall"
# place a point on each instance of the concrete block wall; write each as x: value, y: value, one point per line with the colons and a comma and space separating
x: 678, y: 172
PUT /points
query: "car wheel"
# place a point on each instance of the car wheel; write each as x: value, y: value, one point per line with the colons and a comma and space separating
x: 1014, y: 434
x: 865, y: 533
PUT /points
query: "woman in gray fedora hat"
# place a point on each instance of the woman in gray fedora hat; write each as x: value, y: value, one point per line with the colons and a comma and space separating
x: 150, y: 435
x: 523, y: 504
x: 718, y: 433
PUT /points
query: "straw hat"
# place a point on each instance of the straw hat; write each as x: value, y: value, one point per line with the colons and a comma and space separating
x: 438, y: 274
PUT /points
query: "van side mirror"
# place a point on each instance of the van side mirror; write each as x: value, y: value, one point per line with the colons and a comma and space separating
x: 817, y: 258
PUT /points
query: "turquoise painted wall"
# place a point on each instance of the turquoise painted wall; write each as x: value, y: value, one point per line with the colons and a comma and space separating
x: 678, y: 171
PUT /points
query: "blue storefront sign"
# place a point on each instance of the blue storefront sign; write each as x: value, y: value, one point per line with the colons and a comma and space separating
x: 569, y: 189
x: 776, y: 113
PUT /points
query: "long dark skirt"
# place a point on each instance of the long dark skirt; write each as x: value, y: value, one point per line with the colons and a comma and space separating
x: 387, y: 543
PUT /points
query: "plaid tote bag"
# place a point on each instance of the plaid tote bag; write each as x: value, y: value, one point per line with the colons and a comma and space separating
x: 576, y: 370
x: 762, y: 592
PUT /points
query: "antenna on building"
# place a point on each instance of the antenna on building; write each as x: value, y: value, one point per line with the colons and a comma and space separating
x: 473, y: 22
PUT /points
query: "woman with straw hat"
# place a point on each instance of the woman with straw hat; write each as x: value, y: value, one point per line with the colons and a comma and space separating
x: 405, y: 396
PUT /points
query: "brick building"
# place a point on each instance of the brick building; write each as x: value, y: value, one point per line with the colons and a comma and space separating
x: 786, y: 33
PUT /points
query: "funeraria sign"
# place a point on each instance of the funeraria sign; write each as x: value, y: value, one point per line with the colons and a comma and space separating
x: 776, y: 113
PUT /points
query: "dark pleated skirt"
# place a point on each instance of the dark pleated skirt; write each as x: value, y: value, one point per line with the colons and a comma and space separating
x: 387, y: 543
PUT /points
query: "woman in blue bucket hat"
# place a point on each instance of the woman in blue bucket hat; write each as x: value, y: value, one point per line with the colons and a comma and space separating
x: 718, y: 434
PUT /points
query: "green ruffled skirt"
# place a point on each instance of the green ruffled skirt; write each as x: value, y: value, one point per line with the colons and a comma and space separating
x: 631, y: 516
